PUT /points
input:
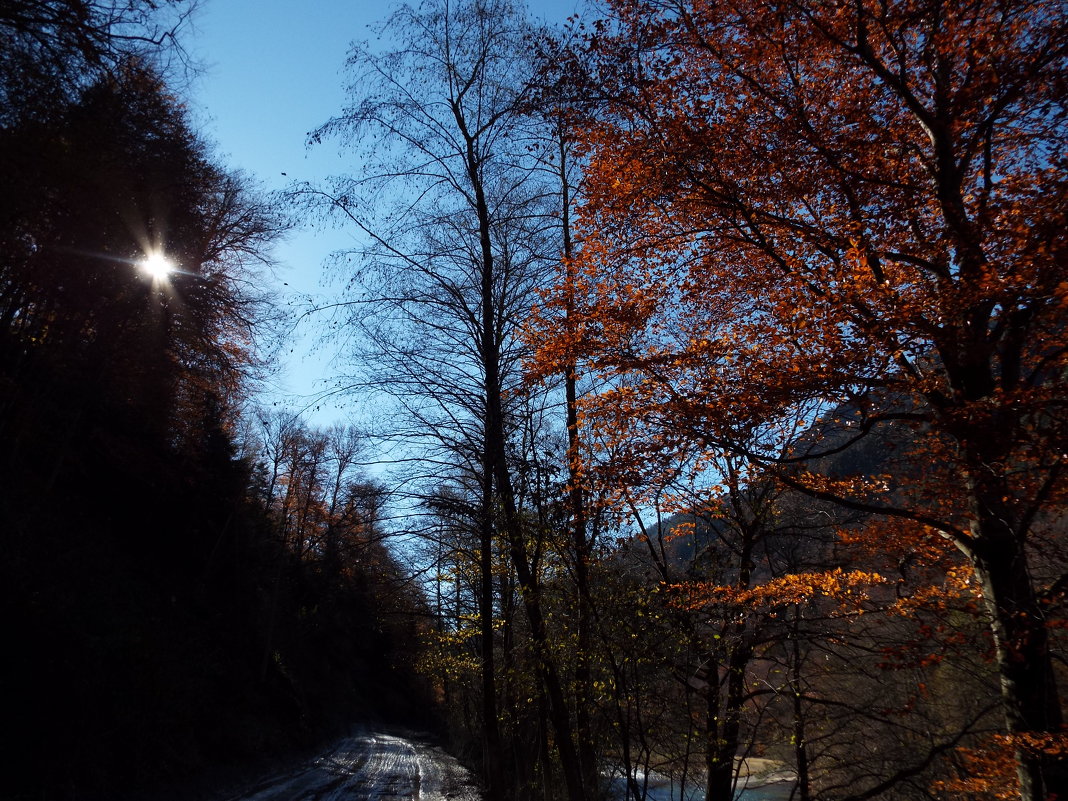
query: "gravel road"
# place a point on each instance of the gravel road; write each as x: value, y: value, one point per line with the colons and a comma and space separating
x: 371, y: 767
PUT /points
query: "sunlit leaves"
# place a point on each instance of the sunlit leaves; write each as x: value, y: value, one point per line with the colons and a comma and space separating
x: 844, y: 587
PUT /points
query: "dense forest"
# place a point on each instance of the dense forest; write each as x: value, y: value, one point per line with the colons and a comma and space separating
x: 186, y: 582
x: 717, y: 350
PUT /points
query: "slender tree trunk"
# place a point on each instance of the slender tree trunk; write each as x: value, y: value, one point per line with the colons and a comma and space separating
x: 724, y: 722
x: 547, y: 776
x: 728, y: 730
x: 580, y: 542
x: 530, y: 592
x: 495, y: 457
x: 623, y: 727
x: 800, y: 741
x: 493, y: 752
x: 528, y: 585
x: 717, y: 776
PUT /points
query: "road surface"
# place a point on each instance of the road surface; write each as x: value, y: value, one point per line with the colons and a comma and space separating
x: 371, y: 767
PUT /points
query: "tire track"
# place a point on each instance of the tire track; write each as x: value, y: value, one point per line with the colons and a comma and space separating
x: 371, y: 767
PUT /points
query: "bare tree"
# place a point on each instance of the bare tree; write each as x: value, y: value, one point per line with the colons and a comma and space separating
x: 51, y: 49
x: 454, y: 215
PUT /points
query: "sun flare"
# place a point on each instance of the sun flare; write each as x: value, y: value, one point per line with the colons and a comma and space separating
x: 156, y: 265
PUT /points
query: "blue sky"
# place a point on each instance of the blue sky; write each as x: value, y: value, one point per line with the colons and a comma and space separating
x: 272, y: 70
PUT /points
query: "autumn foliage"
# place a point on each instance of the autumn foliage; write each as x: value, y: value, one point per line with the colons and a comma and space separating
x: 812, y: 230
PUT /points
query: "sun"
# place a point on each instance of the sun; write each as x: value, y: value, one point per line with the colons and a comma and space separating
x: 156, y: 265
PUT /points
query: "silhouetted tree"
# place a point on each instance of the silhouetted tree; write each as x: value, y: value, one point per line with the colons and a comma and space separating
x: 51, y: 49
x: 448, y: 279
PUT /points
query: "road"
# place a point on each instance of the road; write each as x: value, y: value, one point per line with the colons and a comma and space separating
x: 371, y: 767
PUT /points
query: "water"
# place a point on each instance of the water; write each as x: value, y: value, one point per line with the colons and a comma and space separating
x: 662, y: 789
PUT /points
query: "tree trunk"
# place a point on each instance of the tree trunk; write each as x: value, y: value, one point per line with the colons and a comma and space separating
x: 800, y: 742
x: 717, y: 775
x: 728, y: 730
x: 529, y: 590
x: 725, y: 725
x: 493, y: 752
x: 495, y: 460
x: 1029, y: 695
x: 1028, y: 687
x: 580, y: 543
